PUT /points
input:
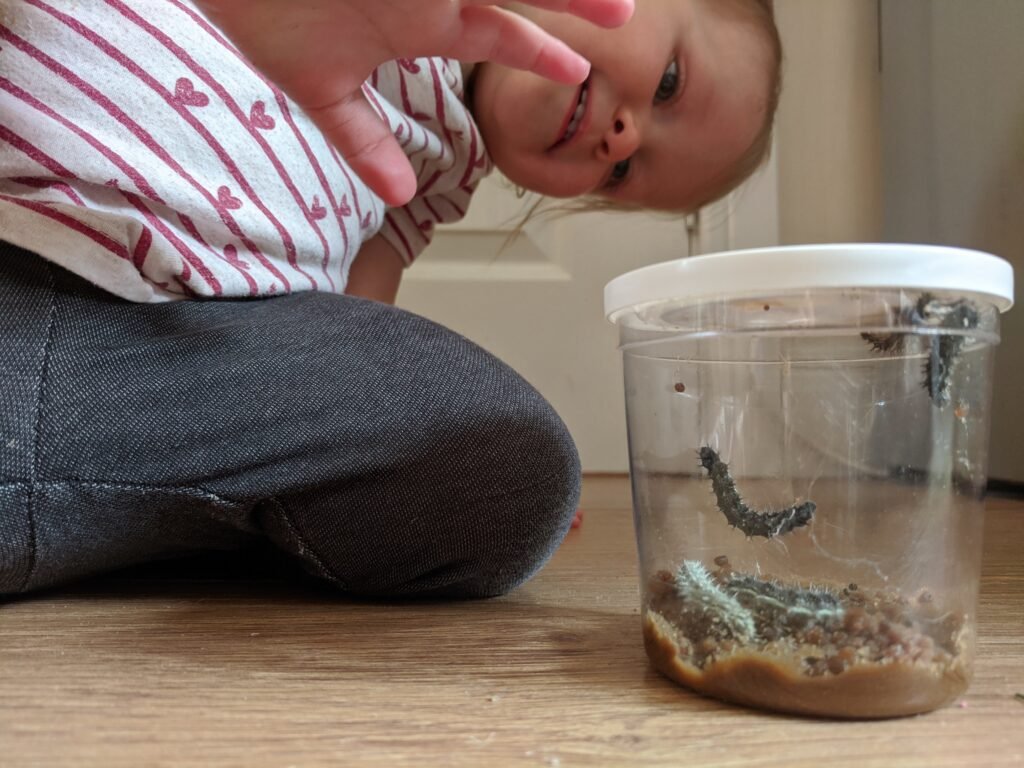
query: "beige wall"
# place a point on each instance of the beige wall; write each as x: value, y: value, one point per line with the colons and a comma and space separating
x: 954, y: 159
x: 936, y: 156
x: 829, y: 127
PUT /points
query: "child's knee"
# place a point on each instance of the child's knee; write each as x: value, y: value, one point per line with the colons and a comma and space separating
x: 527, y: 496
x: 474, y: 514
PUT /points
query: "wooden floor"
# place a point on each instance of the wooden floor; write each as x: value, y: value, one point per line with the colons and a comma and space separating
x: 147, y: 671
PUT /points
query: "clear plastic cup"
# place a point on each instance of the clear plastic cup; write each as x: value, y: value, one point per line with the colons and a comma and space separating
x: 808, y: 432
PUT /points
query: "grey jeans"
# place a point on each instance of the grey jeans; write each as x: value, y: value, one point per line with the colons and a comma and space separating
x: 390, y: 455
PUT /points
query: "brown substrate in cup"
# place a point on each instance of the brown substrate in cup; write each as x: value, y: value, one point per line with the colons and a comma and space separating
x: 837, y: 653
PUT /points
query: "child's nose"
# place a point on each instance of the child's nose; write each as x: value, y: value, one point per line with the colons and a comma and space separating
x: 621, y: 140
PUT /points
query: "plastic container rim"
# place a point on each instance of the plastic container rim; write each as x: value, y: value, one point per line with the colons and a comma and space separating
x: 786, y: 269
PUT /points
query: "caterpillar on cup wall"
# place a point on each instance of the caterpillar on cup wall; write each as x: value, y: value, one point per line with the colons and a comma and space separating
x: 944, y: 350
x: 753, y: 523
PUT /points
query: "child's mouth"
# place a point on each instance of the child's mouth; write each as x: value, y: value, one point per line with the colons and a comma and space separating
x: 574, y: 119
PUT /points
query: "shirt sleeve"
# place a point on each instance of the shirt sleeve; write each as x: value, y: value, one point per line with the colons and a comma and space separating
x: 421, y: 99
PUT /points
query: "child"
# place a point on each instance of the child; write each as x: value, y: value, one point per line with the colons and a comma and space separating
x: 145, y: 158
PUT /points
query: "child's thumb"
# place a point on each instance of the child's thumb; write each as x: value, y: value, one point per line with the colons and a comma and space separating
x: 369, y: 148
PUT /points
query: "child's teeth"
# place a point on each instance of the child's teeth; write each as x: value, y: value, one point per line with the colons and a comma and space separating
x: 574, y: 124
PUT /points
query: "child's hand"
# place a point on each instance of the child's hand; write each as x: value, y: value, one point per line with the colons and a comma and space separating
x: 321, y: 51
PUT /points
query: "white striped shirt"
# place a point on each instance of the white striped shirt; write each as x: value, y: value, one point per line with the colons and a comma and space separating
x: 141, y: 151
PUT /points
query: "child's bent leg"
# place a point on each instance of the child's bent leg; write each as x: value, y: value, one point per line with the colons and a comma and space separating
x: 391, y: 455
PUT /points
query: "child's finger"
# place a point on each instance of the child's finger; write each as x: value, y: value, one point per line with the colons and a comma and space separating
x: 368, y: 146
x: 606, y: 13
x: 493, y: 34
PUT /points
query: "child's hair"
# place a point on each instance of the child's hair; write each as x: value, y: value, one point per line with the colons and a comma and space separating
x: 760, y: 13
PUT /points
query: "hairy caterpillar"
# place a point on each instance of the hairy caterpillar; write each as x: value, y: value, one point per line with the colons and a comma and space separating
x: 728, y: 604
x: 772, y: 603
x: 739, y: 515
x: 704, y: 599
x: 886, y: 343
x: 944, y: 350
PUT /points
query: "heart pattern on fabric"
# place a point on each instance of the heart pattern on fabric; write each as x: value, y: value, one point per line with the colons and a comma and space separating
x: 367, y: 220
x: 231, y: 256
x: 317, y: 212
x: 228, y: 200
x: 259, y: 117
x: 343, y: 207
x: 185, y: 93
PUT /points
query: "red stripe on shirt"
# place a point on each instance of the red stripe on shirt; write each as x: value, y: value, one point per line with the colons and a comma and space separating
x: 186, y: 252
x: 114, y: 111
x: 243, y: 119
x: 142, y: 246
x: 409, y: 255
x: 45, y: 209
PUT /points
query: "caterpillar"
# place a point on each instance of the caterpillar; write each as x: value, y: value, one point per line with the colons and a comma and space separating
x: 938, y: 368
x: 747, y: 608
x: 886, y: 343
x: 753, y: 523
x: 944, y: 350
x: 772, y: 603
x: 704, y: 598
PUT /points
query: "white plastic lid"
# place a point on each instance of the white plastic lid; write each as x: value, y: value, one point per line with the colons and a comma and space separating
x: 775, y: 271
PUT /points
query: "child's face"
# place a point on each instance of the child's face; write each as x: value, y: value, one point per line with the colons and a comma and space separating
x: 674, y: 99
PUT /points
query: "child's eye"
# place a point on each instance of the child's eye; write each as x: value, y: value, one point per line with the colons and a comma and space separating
x: 669, y: 84
x: 619, y: 173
